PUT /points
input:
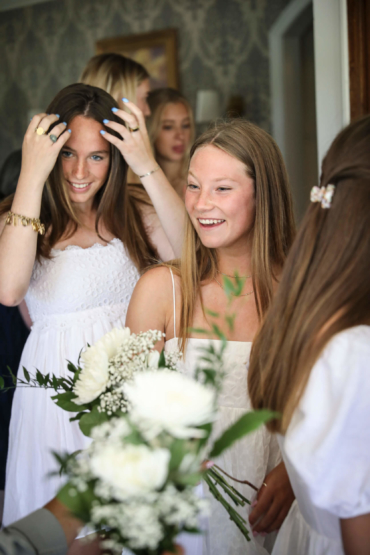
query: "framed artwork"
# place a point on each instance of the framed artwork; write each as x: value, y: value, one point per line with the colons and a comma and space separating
x: 156, y: 51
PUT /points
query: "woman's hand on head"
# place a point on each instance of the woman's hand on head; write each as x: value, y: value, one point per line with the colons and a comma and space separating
x: 39, y: 151
x: 134, y: 145
x: 273, y: 501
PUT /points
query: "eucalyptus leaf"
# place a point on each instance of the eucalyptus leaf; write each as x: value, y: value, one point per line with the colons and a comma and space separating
x: 26, y: 375
x: 245, y: 425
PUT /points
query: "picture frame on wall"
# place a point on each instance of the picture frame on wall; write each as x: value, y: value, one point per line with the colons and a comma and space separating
x: 156, y: 51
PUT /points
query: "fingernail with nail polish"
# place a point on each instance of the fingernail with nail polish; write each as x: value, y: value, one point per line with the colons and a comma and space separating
x: 102, y: 132
x: 69, y: 130
x: 57, y: 115
x: 64, y: 123
x: 125, y: 100
x: 114, y: 109
x: 254, y: 503
x: 105, y: 120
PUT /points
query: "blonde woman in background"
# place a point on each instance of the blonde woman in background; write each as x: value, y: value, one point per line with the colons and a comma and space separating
x: 121, y: 77
x: 240, y: 218
x: 171, y: 132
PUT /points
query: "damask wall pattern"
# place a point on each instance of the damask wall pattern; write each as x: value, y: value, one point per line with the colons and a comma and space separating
x: 223, y: 45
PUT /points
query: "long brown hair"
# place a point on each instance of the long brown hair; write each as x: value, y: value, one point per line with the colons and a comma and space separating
x: 325, y: 286
x: 157, y: 101
x: 274, y: 227
x: 114, y: 205
x: 116, y: 74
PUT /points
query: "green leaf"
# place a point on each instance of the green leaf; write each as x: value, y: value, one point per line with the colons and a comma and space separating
x: 178, y: 451
x: 77, y: 417
x: 39, y: 377
x: 91, y: 419
x: 65, y: 402
x: 230, y: 320
x: 216, y: 330
x: 71, y: 367
x: 79, y: 503
x: 197, y: 330
x: 162, y: 360
x: 26, y: 375
x: 13, y: 376
x: 2, y: 383
x: 245, y: 425
x: 189, y: 479
x: 211, y: 313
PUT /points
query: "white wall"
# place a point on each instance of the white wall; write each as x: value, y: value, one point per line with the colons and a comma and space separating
x: 331, y: 70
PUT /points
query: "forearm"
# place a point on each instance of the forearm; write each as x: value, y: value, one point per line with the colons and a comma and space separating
x: 169, y: 208
x: 356, y: 535
x: 18, y: 244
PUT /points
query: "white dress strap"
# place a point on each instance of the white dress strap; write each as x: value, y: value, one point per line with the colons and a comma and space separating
x: 174, y: 304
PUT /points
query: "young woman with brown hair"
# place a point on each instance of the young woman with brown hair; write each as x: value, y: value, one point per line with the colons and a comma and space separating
x: 171, y: 132
x: 76, y: 249
x: 240, y: 219
x: 311, y: 359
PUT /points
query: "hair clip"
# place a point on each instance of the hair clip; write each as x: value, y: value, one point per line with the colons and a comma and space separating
x: 323, y: 195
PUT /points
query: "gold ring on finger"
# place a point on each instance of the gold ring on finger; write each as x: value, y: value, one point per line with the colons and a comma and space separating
x: 133, y: 129
x: 40, y: 131
x: 264, y: 484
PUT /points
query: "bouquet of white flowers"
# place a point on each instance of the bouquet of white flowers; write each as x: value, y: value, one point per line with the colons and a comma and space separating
x: 136, y: 412
x: 135, y: 483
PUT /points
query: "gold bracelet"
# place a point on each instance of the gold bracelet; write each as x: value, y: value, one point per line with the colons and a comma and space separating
x: 149, y: 173
x: 35, y: 222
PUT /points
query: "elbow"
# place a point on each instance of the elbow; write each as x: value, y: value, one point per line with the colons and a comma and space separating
x: 10, y: 297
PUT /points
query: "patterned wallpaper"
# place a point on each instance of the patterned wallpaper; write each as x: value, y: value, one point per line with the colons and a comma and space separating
x: 222, y: 45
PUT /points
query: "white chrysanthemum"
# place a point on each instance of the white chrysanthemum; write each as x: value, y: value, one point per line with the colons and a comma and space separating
x: 169, y: 401
x: 131, y: 470
x: 94, y: 376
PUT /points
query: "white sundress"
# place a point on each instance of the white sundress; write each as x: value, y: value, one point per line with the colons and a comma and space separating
x: 250, y: 459
x: 74, y: 299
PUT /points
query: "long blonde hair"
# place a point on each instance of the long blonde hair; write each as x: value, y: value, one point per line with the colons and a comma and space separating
x: 325, y: 285
x: 116, y: 74
x: 114, y: 204
x: 158, y: 100
x: 274, y: 227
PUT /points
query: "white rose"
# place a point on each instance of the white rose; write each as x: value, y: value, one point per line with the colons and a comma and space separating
x: 153, y: 359
x: 94, y: 376
x: 131, y: 470
x: 169, y: 401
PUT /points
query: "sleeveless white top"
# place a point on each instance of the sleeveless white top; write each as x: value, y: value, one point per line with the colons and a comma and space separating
x: 74, y: 299
x: 250, y: 459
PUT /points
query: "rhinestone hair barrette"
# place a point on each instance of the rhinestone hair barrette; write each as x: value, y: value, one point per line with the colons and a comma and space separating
x: 323, y: 195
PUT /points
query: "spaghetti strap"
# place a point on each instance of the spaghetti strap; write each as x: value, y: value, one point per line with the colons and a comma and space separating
x: 174, y: 304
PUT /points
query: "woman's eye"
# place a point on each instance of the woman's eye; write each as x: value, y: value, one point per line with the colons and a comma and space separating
x: 167, y: 127
x: 96, y: 157
x: 224, y: 189
x: 186, y: 126
x: 66, y: 153
x: 192, y: 186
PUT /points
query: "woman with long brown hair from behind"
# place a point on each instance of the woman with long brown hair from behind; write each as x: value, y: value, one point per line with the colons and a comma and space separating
x: 75, y: 246
x: 311, y: 359
x: 240, y: 219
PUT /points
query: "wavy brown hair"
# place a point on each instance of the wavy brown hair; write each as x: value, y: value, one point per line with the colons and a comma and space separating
x: 119, y: 210
x: 274, y: 227
x: 325, y: 285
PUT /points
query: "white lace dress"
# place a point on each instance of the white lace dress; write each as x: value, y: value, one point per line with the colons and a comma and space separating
x: 250, y: 459
x: 73, y: 299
